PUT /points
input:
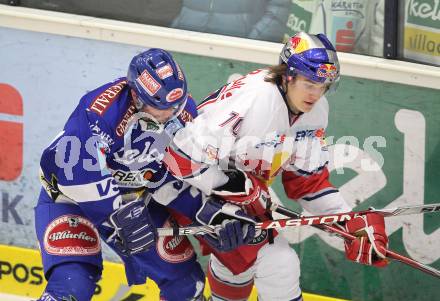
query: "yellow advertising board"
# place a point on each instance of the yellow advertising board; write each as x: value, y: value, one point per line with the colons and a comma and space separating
x: 21, y: 274
x: 422, y: 41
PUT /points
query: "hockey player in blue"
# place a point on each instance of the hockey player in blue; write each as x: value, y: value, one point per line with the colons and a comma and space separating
x: 100, y: 178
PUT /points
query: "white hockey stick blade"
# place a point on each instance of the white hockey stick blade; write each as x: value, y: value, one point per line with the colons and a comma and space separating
x: 191, y: 230
x: 404, y: 210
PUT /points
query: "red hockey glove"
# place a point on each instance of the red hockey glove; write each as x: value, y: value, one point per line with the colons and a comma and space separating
x: 245, y: 190
x: 369, y: 247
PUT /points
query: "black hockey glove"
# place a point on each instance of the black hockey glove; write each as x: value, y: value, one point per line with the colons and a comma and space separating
x: 134, y: 230
x: 235, y: 228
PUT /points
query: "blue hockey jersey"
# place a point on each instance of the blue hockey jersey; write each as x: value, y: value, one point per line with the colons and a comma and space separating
x: 107, y: 154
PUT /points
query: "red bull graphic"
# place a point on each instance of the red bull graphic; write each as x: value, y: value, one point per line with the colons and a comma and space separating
x: 294, y: 41
x: 327, y: 71
x: 298, y: 44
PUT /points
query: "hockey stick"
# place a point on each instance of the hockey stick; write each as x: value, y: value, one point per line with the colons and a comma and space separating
x: 299, y: 220
x: 404, y: 210
x: 322, y: 222
x: 390, y: 254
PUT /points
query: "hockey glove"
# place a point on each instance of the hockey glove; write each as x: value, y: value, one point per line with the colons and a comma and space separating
x: 134, y: 231
x: 370, y: 246
x: 234, y: 227
x: 245, y: 190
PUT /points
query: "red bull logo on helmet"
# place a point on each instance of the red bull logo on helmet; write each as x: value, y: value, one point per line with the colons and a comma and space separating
x: 327, y: 71
x: 299, y: 44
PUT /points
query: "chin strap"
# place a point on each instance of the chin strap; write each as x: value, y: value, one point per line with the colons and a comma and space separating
x: 292, y: 116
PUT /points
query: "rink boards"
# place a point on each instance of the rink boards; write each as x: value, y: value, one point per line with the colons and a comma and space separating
x: 383, y: 136
x: 21, y: 274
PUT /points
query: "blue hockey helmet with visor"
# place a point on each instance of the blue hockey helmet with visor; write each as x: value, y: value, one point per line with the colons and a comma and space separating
x: 157, y: 80
x: 312, y: 56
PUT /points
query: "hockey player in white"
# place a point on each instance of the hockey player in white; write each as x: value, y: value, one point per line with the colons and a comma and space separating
x: 271, y: 121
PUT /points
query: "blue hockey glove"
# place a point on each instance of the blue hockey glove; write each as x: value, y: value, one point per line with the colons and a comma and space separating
x: 235, y: 228
x: 134, y: 230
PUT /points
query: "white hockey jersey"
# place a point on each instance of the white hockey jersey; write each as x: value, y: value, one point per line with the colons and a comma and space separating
x: 247, y: 125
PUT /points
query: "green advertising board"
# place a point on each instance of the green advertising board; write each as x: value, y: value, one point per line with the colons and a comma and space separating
x: 396, y: 126
x: 384, y: 137
x: 299, y: 18
x: 424, y: 13
x: 422, y: 31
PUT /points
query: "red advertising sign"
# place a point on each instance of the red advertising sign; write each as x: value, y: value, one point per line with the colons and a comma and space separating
x: 11, y: 133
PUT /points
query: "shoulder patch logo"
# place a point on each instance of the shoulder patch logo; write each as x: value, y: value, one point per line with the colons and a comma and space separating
x: 186, y: 116
x: 105, y: 99
x: 121, y: 126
